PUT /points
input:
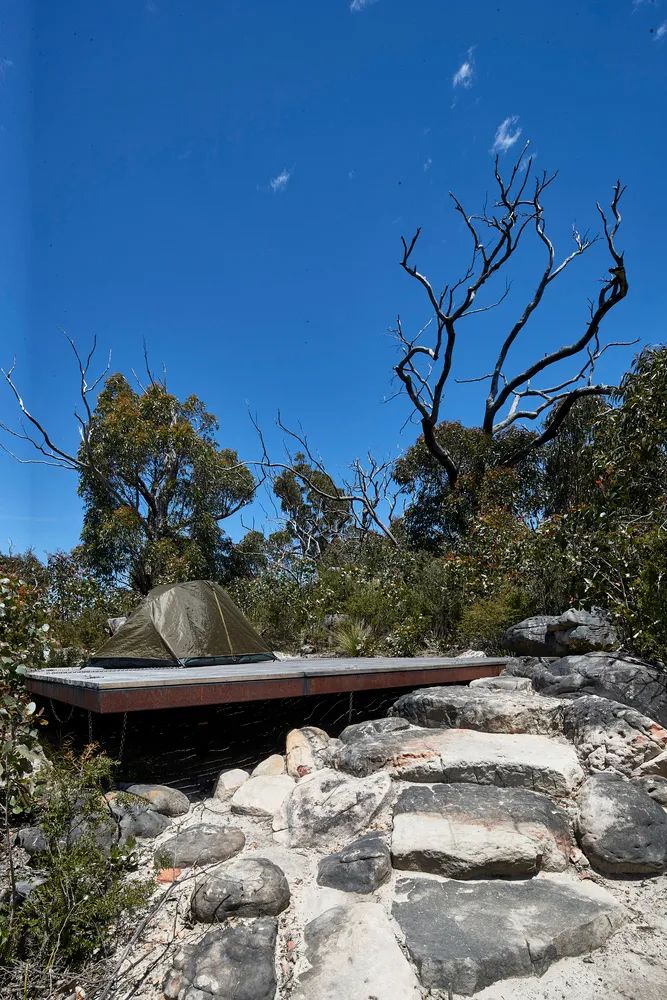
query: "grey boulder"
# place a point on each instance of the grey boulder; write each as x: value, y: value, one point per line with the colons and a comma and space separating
x: 234, y: 963
x: 160, y: 798
x: 485, y: 709
x: 479, y: 831
x: 361, y: 867
x: 243, y: 887
x: 136, y: 819
x: 464, y: 936
x: 576, y: 631
x: 620, y: 828
x: 203, y: 844
x: 610, y: 675
x: 329, y: 805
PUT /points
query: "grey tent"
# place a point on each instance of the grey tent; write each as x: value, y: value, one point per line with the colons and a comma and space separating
x: 184, y: 625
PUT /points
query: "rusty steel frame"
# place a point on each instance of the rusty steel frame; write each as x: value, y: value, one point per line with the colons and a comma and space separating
x: 150, y: 698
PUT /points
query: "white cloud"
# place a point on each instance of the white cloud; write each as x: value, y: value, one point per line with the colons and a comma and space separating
x: 357, y: 5
x: 466, y: 72
x: 428, y: 164
x: 661, y: 31
x: 280, y: 182
x: 507, y: 134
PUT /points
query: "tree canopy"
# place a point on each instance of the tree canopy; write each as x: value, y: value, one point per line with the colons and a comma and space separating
x: 156, y: 485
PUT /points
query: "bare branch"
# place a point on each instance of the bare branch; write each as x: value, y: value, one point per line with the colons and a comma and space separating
x: 425, y: 366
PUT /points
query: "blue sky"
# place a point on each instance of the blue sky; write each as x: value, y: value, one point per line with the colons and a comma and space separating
x: 230, y: 181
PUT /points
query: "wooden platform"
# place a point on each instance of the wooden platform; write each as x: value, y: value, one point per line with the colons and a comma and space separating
x: 141, y: 689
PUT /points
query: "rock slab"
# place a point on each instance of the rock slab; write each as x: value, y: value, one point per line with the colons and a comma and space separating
x: 242, y: 888
x: 465, y: 936
x: 486, y: 709
x: 329, y: 805
x: 234, y: 963
x: 203, y: 844
x: 353, y: 954
x: 621, y: 829
x: 361, y: 867
x: 479, y: 831
x: 453, y: 755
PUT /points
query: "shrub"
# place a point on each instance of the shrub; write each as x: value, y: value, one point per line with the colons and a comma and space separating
x: 354, y: 638
x: 483, y: 623
x: 85, y: 901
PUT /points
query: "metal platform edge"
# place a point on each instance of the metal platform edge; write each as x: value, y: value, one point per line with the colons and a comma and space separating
x: 302, y: 684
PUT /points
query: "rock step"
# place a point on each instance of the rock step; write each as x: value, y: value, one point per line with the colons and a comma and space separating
x: 464, y: 936
x: 454, y: 706
x: 462, y: 755
x: 479, y: 831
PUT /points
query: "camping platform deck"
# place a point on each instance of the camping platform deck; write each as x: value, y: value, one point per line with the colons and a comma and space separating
x: 147, y: 688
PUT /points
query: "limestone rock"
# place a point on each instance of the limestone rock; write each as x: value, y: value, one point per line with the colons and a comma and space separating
x: 456, y: 707
x: 453, y: 755
x: 620, y: 827
x: 307, y: 750
x: 465, y: 936
x: 353, y: 954
x: 229, y: 781
x: 575, y: 631
x: 242, y: 888
x: 656, y: 787
x: 329, y: 805
x: 231, y: 963
x: 202, y: 844
x: 160, y: 798
x: 610, y: 675
x: 360, y: 867
x: 610, y: 736
x: 262, y: 796
x: 479, y: 831
x: 275, y: 764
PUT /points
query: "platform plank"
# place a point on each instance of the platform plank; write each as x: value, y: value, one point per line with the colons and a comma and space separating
x: 152, y: 688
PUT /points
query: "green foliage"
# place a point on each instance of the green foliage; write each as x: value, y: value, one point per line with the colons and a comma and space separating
x: 438, y: 516
x: 155, y: 485
x: 86, y: 899
x: 483, y: 623
x: 79, y: 604
x: 24, y: 643
x: 618, y: 539
x: 353, y: 637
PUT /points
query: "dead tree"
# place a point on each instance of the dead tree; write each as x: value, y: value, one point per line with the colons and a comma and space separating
x: 369, y: 494
x: 426, y: 361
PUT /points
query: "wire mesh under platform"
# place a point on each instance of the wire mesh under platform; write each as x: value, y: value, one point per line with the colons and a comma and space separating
x: 187, y: 748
